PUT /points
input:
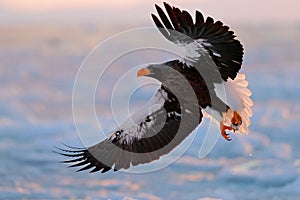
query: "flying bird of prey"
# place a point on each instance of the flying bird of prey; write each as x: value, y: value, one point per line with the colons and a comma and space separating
x: 190, y: 89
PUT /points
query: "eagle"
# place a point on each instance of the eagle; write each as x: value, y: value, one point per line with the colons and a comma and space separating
x: 190, y: 90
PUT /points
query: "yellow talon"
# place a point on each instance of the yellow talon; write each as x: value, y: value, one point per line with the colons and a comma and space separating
x: 223, y: 131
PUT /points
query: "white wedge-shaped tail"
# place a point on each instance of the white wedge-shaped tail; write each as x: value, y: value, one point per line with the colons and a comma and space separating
x: 237, y: 96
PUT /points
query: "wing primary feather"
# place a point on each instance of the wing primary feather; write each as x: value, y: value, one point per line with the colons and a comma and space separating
x: 105, y: 169
x: 200, y: 31
x: 180, y: 17
x: 96, y: 169
x: 209, y: 21
x: 164, y: 18
x: 66, y: 150
x: 160, y: 27
x: 80, y: 164
x: 188, y: 18
x: 72, y: 147
x: 68, y: 155
x: 74, y: 160
x: 199, y: 19
x: 85, y: 168
x: 172, y: 16
x: 183, y: 22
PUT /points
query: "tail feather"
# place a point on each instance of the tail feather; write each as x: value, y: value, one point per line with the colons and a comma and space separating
x: 237, y: 96
x: 239, y: 86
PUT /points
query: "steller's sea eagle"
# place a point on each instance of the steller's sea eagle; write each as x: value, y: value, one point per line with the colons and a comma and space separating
x: 213, y: 58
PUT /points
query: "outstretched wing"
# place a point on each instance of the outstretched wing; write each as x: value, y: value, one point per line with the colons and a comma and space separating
x: 154, y: 135
x: 202, y: 36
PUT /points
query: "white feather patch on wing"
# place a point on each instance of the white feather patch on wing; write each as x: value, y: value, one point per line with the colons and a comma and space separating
x: 237, y: 96
x: 212, y: 114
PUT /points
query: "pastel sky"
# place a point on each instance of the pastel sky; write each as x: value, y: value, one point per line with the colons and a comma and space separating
x: 235, y: 11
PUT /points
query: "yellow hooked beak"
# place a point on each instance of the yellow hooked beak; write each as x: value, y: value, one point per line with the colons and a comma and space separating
x: 143, y: 72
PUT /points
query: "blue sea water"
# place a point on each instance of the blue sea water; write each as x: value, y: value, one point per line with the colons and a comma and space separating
x: 37, y: 72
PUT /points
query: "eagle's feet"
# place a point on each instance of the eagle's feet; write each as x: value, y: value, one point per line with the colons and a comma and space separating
x: 223, y: 131
x: 236, y: 121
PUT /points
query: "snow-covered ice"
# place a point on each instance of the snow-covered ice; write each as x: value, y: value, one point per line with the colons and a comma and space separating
x: 37, y: 72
